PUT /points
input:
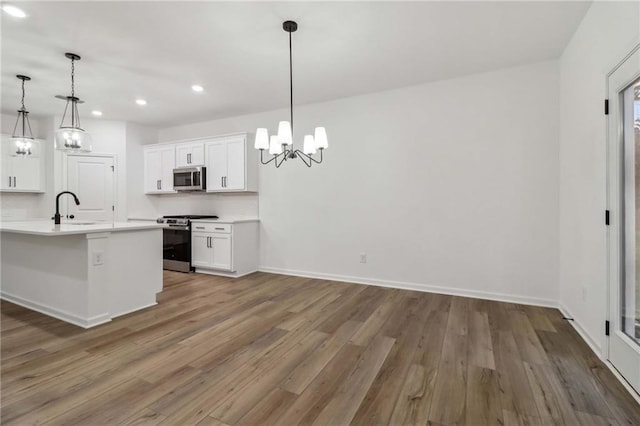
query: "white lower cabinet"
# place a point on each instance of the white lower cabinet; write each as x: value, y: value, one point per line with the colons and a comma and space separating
x: 224, y: 248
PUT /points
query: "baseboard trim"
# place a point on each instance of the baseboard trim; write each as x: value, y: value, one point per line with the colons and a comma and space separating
x: 224, y: 274
x: 129, y: 311
x: 622, y: 380
x: 499, y: 297
x: 589, y: 340
x: 597, y: 350
x: 56, y: 313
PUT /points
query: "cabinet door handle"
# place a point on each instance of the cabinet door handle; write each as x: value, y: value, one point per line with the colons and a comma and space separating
x: 9, y: 181
x: 209, y: 242
x: 222, y: 181
x: 14, y: 182
x: 190, y: 159
x: 160, y: 183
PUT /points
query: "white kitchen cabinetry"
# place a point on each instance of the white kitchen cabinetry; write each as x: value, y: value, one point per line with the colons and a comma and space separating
x: 21, y: 173
x: 231, y: 166
x: 190, y: 154
x: 229, y: 249
x: 159, y: 162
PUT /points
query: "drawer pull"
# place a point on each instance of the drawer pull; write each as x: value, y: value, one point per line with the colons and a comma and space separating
x: 219, y: 229
x: 199, y: 227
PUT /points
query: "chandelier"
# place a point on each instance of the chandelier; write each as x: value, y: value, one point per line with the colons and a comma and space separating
x: 280, y: 146
x: 72, y: 137
x: 22, y: 140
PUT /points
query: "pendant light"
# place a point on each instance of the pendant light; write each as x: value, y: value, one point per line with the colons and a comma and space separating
x: 72, y: 137
x: 22, y: 140
x: 280, y: 146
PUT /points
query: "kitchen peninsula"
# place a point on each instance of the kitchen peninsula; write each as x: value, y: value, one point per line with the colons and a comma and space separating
x: 84, y: 273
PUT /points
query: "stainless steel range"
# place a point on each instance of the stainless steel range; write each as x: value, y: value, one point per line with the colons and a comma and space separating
x: 176, y: 244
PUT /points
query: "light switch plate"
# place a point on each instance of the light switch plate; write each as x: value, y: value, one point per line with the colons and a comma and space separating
x: 98, y: 258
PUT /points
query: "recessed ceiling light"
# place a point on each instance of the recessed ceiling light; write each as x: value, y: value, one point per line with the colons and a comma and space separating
x: 197, y: 88
x: 141, y: 102
x: 14, y: 11
x: 96, y: 113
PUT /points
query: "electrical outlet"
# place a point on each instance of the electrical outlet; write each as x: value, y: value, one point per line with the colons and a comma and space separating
x: 98, y: 258
x: 363, y: 257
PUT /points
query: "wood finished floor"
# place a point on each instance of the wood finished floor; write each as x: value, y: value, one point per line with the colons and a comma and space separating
x: 270, y: 349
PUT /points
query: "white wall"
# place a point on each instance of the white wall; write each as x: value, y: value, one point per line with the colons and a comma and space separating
x: 606, y: 35
x: 450, y: 184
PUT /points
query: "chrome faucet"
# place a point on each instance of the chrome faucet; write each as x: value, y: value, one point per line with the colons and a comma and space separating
x: 56, y: 217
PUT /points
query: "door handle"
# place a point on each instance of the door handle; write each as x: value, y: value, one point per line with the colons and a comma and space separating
x: 9, y: 181
x: 160, y: 183
x: 222, y: 181
x: 189, y: 158
x: 208, y: 242
x: 14, y: 182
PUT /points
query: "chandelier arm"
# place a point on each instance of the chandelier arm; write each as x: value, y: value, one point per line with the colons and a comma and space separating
x: 64, y: 114
x: 304, y: 157
x: 268, y: 161
x: 316, y: 161
x: 283, y: 159
x: 30, y: 131
x: 77, y: 115
x: 13, y: 134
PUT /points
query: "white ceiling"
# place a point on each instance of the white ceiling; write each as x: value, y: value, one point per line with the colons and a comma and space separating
x: 239, y: 52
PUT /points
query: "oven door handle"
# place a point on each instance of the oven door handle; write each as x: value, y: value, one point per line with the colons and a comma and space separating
x: 179, y: 228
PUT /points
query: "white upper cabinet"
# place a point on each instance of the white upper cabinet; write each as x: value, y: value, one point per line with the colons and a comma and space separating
x: 159, y: 162
x: 190, y: 154
x: 22, y: 173
x: 230, y: 166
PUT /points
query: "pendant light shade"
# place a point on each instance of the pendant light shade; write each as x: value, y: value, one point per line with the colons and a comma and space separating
x: 71, y: 136
x: 22, y: 135
x: 321, y: 138
x: 284, y: 133
x: 275, y: 147
x: 309, y: 145
x: 262, y: 139
x: 281, y: 145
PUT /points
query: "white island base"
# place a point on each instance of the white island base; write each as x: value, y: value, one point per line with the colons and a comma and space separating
x: 84, y: 277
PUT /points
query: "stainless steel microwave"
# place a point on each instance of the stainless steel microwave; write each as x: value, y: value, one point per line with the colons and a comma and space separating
x: 190, y: 179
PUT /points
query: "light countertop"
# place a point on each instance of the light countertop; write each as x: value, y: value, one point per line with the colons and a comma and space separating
x: 229, y: 220
x: 223, y: 219
x: 47, y: 228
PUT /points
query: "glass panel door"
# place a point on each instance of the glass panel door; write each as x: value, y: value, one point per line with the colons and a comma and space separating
x: 623, y: 199
x: 630, y: 286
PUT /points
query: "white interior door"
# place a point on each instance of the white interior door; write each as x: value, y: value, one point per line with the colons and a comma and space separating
x: 624, y: 229
x: 91, y: 178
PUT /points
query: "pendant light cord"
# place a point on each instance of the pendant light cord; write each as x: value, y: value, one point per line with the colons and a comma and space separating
x: 291, y: 86
x: 73, y: 92
x: 23, y: 108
